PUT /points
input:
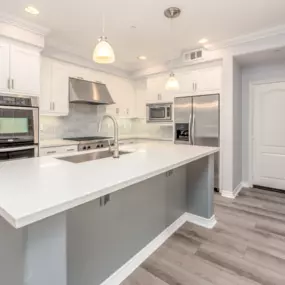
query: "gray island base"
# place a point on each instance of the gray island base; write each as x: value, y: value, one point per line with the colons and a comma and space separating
x: 88, y: 244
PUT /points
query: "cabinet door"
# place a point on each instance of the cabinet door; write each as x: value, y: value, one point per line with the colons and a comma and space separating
x: 209, y: 79
x: 141, y: 91
x: 187, y: 81
x: 156, y: 91
x: 45, y: 97
x: 25, y: 70
x: 59, y: 88
x: 4, y: 67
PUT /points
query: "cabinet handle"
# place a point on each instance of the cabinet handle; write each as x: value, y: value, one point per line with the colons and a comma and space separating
x: 50, y: 106
x: 8, y: 83
x: 51, y: 152
x: 53, y: 105
x: 12, y: 83
x: 195, y: 86
x: 71, y: 149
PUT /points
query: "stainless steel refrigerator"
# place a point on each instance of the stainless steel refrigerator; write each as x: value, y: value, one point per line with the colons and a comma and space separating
x: 197, y: 122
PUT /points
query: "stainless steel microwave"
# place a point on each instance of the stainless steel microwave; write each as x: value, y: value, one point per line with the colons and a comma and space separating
x: 159, y: 112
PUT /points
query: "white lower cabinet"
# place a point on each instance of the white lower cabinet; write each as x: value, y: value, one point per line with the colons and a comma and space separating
x: 49, y: 151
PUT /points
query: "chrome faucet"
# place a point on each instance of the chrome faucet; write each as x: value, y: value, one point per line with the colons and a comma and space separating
x: 116, y: 153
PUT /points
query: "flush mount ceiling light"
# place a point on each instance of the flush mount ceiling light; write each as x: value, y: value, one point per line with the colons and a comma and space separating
x: 172, y: 83
x: 103, y: 52
x: 32, y: 10
x: 203, y: 41
x: 142, y: 57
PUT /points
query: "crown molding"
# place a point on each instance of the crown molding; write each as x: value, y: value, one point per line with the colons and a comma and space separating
x: 23, y: 24
x: 68, y: 57
x: 248, y: 38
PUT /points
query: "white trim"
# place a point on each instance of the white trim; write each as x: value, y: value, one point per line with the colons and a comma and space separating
x: 233, y: 194
x: 200, y: 221
x: 131, y: 265
x: 123, y: 272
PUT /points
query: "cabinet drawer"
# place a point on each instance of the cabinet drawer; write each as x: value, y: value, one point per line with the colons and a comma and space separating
x: 58, y: 150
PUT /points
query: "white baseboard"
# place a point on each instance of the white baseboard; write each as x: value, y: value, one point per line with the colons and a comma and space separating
x: 200, y: 221
x: 233, y: 194
x: 130, y: 266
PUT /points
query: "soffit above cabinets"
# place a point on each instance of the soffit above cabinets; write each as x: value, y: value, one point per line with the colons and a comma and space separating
x: 144, y: 29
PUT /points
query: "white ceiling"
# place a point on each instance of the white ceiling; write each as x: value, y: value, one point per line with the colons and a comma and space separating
x: 76, y: 25
x: 275, y: 56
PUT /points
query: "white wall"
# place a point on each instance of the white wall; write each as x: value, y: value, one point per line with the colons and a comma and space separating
x: 266, y: 72
x: 237, y: 125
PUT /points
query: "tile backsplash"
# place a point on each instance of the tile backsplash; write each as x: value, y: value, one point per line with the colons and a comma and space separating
x: 83, y: 120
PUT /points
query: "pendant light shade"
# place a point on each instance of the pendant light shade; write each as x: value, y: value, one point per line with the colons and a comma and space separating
x: 172, y: 83
x: 103, y: 52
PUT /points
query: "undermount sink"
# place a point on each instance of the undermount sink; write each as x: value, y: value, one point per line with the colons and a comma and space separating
x: 90, y: 156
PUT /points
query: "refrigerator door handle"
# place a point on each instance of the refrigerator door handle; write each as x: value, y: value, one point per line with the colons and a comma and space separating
x: 193, y: 130
x: 190, y: 128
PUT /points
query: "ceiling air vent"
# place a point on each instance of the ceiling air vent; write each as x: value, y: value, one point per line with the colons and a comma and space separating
x: 193, y: 55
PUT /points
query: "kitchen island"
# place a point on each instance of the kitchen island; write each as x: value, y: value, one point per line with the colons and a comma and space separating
x: 62, y: 229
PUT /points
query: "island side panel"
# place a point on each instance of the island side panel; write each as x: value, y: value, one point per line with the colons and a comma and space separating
x: 102, y: 239
x: 200, y: 187
x: 11, y: 254
x: 45, y: 252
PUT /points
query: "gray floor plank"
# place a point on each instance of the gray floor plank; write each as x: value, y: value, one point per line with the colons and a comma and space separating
x: 247, y: 246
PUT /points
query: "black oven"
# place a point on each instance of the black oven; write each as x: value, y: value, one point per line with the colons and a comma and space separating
x: 19, y: 126
x: 18, y: 152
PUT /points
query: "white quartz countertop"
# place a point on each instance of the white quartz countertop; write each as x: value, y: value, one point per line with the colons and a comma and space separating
x: 36, y: 188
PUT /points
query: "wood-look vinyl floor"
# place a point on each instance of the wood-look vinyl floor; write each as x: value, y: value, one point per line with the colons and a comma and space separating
x: 247, y: 246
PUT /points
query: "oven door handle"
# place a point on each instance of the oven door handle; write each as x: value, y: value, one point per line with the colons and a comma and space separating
x: 17, y: 148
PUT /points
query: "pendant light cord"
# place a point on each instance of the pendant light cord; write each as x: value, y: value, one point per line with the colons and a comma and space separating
x: 103, y: 24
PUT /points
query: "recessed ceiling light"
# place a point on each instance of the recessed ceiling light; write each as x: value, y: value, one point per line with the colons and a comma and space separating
x: 32, y: 10
x: 142, y: 57
x: 203, y: 41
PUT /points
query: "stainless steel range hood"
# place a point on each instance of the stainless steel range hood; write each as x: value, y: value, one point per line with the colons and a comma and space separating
x: 87, y: 92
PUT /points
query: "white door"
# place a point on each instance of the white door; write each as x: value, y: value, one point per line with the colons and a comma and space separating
x: 25, y: 70
x: 4, y: 70
x: 269, y: 135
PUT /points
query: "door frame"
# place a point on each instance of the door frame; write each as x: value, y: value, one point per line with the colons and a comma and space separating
x: 252, y: 85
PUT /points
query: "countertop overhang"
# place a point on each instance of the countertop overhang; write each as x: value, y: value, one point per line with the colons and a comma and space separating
x: 36, y: 188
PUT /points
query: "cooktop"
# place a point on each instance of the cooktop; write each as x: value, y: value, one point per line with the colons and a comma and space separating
x: 87, y: 138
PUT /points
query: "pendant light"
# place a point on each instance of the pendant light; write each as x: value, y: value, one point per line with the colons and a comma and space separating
x: 172, y: 83
x: 103, y: 52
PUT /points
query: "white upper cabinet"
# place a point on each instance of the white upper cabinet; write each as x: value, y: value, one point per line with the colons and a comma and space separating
x: 24, y: 70
x: 59, y: 88
x: 191, y: 82
x: 156, y: 91
x: 209, y: 80
x: 19, y: 69
x: 4, y: 67
x: 123, y: 93
x: 141, y: 92
x: 200, y: 81
x: 54, y: 88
